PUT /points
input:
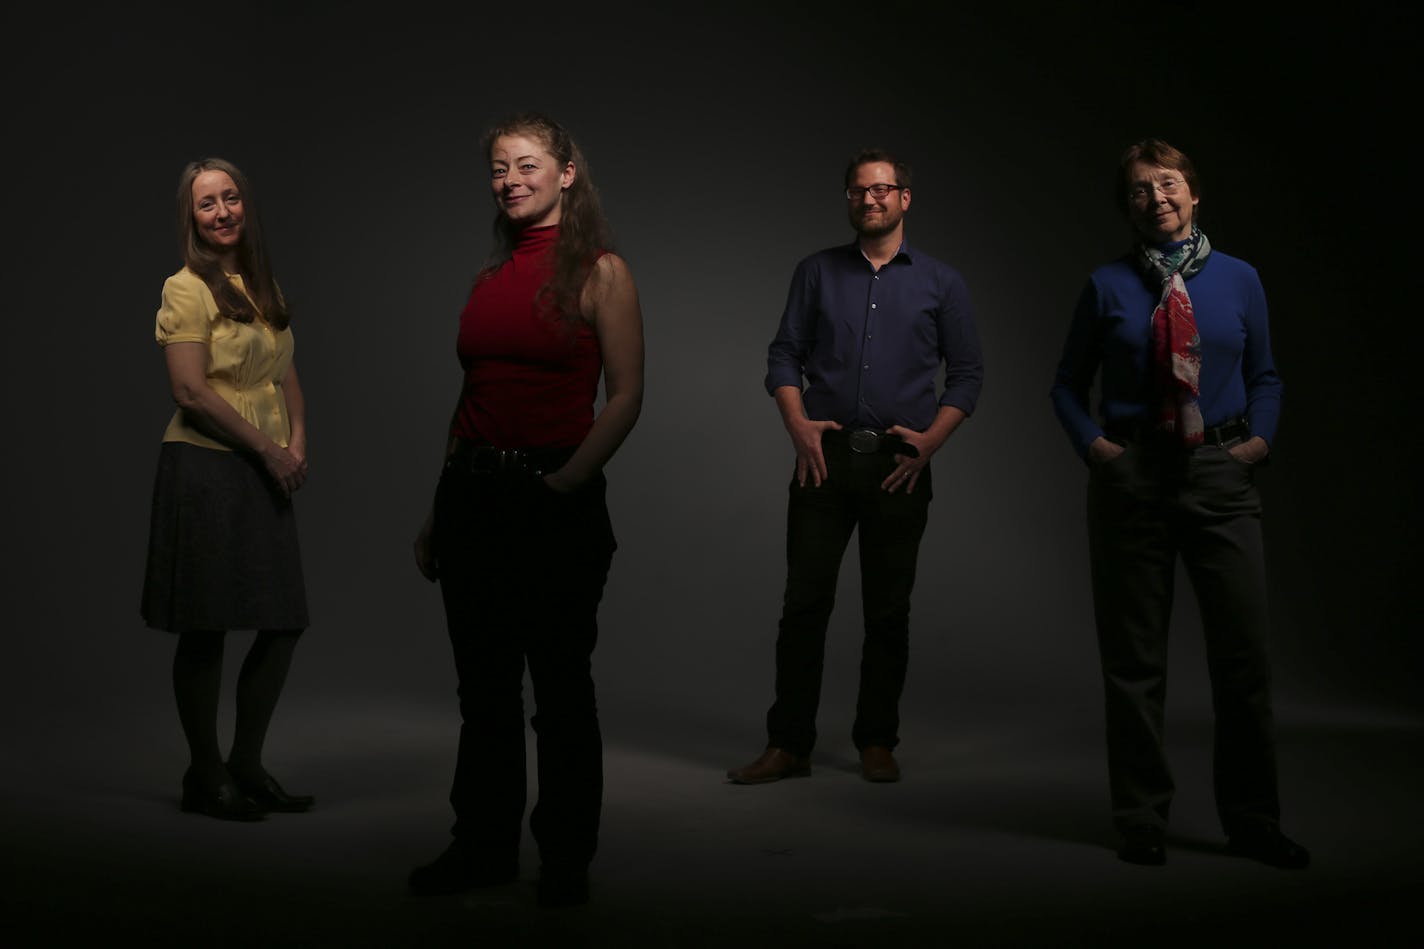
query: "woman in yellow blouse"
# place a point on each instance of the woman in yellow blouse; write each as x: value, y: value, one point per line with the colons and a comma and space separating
x: 222, y: 551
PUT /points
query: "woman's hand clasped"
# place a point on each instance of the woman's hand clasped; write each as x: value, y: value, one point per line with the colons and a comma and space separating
x: 287, y: 470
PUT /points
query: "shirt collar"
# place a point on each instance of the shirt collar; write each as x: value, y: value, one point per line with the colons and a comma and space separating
x: 905, y: 251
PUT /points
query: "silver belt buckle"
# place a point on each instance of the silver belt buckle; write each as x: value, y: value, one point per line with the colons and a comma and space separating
x: 864, y: 441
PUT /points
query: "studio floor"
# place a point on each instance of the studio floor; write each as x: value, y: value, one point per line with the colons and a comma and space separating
x: 996, y: 836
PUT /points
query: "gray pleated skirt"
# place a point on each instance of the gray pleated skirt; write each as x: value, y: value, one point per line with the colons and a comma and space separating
x: 222, y: 546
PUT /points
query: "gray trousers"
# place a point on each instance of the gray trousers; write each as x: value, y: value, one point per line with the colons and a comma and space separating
x: 1147, y: 507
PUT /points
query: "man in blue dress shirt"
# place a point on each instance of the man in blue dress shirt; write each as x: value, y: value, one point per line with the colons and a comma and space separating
x: 853, y: 367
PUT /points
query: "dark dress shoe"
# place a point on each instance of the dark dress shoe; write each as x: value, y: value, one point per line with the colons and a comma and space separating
x: 562, y: 886
x: 773, y: 765
x: 219, y: 798
x: 1143, y: 845
x: 878, y: 764
x: 1269, y: 846
x: 461, y: 867
x: 267, y: 794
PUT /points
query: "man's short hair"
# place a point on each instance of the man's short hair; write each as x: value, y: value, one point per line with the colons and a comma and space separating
x: 867, y: 156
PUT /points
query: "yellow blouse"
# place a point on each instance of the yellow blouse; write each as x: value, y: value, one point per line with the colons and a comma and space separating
x: 246, y: 361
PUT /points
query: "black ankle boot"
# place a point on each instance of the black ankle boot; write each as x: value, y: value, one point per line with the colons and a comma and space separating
x: 268, y: 795
x: 220, y: 798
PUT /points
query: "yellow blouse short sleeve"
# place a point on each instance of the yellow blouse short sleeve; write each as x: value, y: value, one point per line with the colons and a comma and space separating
x: 246, y: 361
x: 186, y: 312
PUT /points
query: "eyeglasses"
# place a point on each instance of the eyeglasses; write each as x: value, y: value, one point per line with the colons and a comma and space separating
x: 1168, y: 187
x: 875, y: 191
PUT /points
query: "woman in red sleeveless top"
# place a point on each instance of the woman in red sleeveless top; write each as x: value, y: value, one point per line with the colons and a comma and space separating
x: 519, y: 535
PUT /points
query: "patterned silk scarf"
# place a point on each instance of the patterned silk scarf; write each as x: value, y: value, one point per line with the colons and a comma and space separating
x: 1176, y: 345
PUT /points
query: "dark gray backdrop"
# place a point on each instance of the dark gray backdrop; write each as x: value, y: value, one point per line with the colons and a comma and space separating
x: 717, y: 136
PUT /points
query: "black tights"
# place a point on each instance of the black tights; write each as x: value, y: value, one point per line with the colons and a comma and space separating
x: 197, y: 681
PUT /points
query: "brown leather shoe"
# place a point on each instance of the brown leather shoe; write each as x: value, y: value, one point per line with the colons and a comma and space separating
x: 773, y: 765
x: 878, y: 764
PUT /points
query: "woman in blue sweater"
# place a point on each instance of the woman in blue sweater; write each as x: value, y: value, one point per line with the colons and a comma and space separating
x: 1176, y: 334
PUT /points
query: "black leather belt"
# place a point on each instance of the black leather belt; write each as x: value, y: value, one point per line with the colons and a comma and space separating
x: 1237, y: 429
x: 486, y: 459
x: 870, y: 441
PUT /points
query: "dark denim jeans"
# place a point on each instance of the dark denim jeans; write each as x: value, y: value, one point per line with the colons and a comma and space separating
x: 522, y: 570
x: 819, y: 523
x: 1146, y: 508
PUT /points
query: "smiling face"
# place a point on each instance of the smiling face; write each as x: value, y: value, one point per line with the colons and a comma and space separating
x: 528, y: 182
x: 1160, y: 202
x: 217, y: 211
x: 872, y: 216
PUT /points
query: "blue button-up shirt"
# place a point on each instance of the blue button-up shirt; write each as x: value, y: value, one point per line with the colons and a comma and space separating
x: 869, y: 344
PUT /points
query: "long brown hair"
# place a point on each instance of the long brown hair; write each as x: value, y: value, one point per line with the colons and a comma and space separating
x: 583, y: 230
x: 198, y: 256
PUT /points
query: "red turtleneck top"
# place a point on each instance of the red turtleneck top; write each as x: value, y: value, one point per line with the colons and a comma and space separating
x: 531, y: 378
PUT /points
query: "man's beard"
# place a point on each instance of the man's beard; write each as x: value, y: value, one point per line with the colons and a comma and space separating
x: 874, y: 226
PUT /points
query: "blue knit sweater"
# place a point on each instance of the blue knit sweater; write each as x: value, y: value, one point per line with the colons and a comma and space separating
x: 1112, y: 332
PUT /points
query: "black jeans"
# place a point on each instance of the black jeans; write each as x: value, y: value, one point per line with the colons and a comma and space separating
x: 522, y: 570
x: 1147, y: 507
x: 819, y: 522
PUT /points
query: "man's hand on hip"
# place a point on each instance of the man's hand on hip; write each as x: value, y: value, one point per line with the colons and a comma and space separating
x: 907, y: 469
x: 806, y: 438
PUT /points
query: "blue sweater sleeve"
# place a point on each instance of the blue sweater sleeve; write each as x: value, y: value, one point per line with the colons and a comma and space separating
x: 1258, y: 367
x: 1077, y: 365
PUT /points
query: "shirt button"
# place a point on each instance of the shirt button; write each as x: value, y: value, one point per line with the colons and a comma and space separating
x: 872, y: 306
